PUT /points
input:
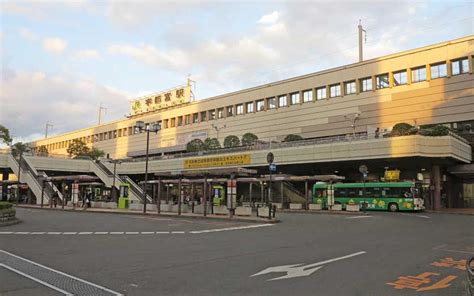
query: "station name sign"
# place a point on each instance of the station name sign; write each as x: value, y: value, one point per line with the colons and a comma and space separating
x: 217, y: 161
x: 157, y: 101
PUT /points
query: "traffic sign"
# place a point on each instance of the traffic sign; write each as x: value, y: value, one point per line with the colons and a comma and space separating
x: 270, y: 157
x: 272, y: 167
x: 363, y: 169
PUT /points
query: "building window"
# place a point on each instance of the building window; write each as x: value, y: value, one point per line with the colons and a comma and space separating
x: 195, y: 117
x: 240, y: 109
x: 180, y: 121
x: 400, y: 78
x: 295, y: 98
x: 187, y: 119
x: 350, y: 87
x: 282, y: 102
x: 307, y: 96
x: 381, y: 81
x: 271, y: 102
x: 439, y: 70
x: 230, y: 110
x: 173, y: 122
x: 260, y: 105
x: 460, y: 66
x: 203, y: 116
x: 249, y: 107
x: 418, y: 74
x: 166, y: 125
x: 366, y: 84
x: 220, y: 113
x: 321, y: 93
x: 212, y: 114
x: 335, y: 90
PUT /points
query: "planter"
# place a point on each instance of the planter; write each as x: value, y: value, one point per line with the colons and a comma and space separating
x: 135, y: 207
x: 278, y: 205
x: 243, y: 211
x: 315, y: 207
x: 184, y: 208
x: 165, y: 207
x: 336, y: 207
x: 263, y: 212
x: 296, y: 206
x: 353, y: 208
x: 221, y: 210
x: 199, y: 209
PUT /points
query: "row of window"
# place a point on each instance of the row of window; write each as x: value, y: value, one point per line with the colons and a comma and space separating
x: 417, y: 74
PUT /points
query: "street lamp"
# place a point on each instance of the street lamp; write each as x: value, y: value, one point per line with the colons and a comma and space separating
x: 115, y: 162
x: 154, y: 127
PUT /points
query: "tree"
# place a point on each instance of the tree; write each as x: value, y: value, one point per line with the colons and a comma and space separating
x: 249, y: 139
x: 43, y: 151
x: 18, y: 148
x: 212, y: 144
x: 195, y: 145
x: 402, y: 129
x: 231, y: 141
x: 5, y: 135
x: 95, y: 153
x: 292, y: 137
x: 434, y: 130
x: 77, y: 148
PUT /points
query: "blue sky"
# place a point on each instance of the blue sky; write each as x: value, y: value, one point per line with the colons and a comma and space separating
x: 60, y: 60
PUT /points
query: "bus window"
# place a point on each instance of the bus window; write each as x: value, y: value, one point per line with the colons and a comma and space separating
x: 406, y: 193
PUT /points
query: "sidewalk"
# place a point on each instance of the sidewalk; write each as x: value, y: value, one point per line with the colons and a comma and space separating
x: 458, y: 211
x: 153, y: 213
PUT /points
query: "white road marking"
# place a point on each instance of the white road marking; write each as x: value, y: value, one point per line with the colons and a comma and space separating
x: 177, y: 232
x: 85, y: 232
x: 422, y: 216
x: 53, y: 232
x: 147, y: 232
x: 230, y: 228
x: 22, y: 232
x: 418, y: 216
x: 116, y: 232
x: 132, y: 232
x: 38, y: 232
x: 72, y: 232
x: 6, y: 232
x: 162, y: 232
x: 298, y: 270
x: 101, y: 232
x: 61, y: 273
x: 35, y: 279
x: 358, y: 217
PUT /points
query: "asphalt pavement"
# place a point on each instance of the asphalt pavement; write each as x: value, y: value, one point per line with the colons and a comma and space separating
x: 306, y: 254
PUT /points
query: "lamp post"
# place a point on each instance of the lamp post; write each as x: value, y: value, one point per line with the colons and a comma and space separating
x: 155, y: 127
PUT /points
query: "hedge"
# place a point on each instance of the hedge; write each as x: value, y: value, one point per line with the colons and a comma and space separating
x: 5, y: 205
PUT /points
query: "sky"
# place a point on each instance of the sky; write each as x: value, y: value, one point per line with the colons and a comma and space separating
x: 61, y: 60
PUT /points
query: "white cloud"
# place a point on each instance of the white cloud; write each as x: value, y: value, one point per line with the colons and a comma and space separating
x: 269, y: 18
x: 54, y: 45
x: 28, y: 35
x: 87, y: 54
x: 30, y: 99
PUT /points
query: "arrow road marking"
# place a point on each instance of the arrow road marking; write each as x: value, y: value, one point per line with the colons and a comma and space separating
x: 298, y: 270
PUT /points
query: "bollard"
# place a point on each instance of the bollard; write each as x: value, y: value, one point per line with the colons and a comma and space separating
x: 274, y: 210
x: 269, y: 211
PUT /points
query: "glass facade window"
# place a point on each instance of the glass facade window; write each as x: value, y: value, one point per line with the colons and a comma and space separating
x: 166, y: 125
x: 321, y: 93
x: 418, y: 74
x: 172, y: 122
x: 439, y: 70
x: 203, y: 116
x: 335, y: 90
x: 249, y: 107
x: 195, y: 117
x: 271, y: 103
x: 212, y: 114
x: 180, y: 121
x: 400, y: 78
x: 307, y: 96
x: 260, y: 105
x: 240, y: 109
x: 460, y: 66
x: 366, y: 84
x: 381, y: 81
x: 187, y: 119
x: 230, y: 110
x: 282, y: 102
x: 350, y: 87
x: 220, y: 113
x: 295, y: 98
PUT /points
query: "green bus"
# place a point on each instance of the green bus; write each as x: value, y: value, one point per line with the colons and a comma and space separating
x: 392, y: 196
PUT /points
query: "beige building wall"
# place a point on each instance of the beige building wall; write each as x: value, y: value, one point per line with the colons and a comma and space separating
x: 442, y: 100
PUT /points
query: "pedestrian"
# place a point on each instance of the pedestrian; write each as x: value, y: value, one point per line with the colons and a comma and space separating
x: 55, y: 199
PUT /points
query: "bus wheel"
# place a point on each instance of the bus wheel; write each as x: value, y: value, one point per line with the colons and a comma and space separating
x: 393, y: 207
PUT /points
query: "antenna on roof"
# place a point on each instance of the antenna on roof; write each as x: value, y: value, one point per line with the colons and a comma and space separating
x: 361, y: 31
x: 193, y: 83
x: 100, y: 111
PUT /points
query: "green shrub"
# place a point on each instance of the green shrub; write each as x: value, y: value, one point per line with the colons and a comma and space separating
x: 212, y: 144
x: 249, y: 139
x: 292, y: 137
x: 402, y: 129
x: 231, y: 141
x: 195, y: 146
x: 5, y: 205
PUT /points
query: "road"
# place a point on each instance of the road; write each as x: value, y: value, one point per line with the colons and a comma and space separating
x: 306, y: 254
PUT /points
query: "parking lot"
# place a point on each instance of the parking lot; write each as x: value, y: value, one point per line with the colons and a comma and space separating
x: 55, y: 253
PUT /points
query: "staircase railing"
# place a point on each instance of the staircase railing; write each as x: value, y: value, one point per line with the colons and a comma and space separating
x: 136, y: 188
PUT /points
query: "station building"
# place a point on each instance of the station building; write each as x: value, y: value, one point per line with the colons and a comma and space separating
x: 344, y: 115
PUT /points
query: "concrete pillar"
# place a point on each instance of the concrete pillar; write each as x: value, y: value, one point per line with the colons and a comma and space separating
x: 428, y: 72
x: 306, y: 193
x: 448, y: 68
x: 281, y: 193
x: 158, y: 204
x: 408, y: 76
x: 390, y: 79
x: 436, y: 183
x: 262, y: 192
x: 374, y: 83
x: 313, y: 90
x: 180, y: 196
x: 471, y: 64
x: 250, y: 192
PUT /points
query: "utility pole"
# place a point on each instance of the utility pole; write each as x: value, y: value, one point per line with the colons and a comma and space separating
x: 48, y: 125
x: 100, y: 111
x: 361, y: 31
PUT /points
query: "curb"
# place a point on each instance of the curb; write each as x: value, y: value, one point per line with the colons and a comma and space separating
x: 10, y: 222
x: 224, y: 218
x: 310, y: 212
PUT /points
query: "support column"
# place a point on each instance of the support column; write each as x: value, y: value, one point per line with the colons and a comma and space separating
x: 281, y: 194
x: 168, y: 193
x: 262, y: 192
x: 436, y: 183
x: 179, y: 196
x: 250, y: 192
x: 158, y: 205
x: 306, y: 194
x: 204, y: 195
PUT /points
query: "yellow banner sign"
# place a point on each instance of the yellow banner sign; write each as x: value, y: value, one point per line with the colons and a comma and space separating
x: 173, y: 97
x: 392, y: 175
x: 216, y: 161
